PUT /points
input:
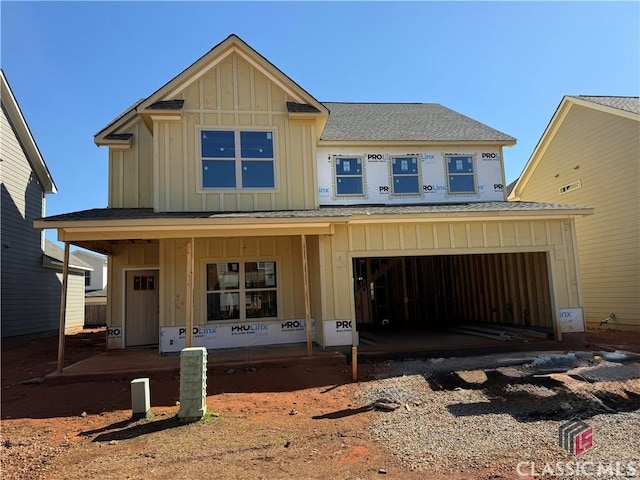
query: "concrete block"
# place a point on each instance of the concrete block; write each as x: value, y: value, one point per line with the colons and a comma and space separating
x: 193, y: 384
x: 140, y: 397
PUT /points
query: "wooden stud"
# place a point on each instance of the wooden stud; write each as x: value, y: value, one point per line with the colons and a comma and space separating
x: 307, y: 302
x: 189, y: 305
x: 63, y: 307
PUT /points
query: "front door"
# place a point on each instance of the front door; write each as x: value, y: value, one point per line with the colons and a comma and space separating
x: 142, y: 308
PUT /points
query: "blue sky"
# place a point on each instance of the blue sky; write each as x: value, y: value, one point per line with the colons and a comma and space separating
x: 73, y: 66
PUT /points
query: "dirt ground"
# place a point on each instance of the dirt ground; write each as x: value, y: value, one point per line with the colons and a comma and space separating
x: 294, y: 421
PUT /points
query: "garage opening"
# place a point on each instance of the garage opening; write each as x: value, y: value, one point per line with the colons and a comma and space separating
x: 485, y: 295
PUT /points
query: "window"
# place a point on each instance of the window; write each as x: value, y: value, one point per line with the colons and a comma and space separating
x: 460, y: 175
x: 237, y: 159
x: 241, y: 290
x: 348, y: 171
x: 87, y: 279
x: 144, y: 283
x: 405, y: 178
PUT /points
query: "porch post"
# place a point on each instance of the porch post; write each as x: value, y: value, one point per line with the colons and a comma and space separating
x: 63, y: 307
x: 189, y: 306
x: 307, y: 303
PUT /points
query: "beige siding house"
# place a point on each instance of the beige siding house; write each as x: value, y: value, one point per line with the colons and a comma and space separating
x: 243, y: 211
x: 31, y: 272
x: 590, y: 155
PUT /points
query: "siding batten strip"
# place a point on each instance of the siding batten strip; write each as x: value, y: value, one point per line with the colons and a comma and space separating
x: 167, y: 176
x: 156, y: 168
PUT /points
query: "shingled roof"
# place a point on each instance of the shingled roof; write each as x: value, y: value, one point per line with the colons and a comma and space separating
x: 628, y: 104
x: 110, y: 214
x: 404, y: 122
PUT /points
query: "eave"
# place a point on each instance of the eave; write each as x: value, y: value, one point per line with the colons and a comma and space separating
x: 415, y: 143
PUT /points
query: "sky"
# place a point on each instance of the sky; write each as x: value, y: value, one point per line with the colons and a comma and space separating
x: 74, y: 66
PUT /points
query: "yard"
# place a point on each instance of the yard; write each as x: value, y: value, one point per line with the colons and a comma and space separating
x: 464, y: 418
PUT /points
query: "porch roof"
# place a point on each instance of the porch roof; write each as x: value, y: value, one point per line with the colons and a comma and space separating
x: 346, y: 214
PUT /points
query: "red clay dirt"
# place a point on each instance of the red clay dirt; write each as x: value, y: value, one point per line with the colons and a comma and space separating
x: 261, y: 423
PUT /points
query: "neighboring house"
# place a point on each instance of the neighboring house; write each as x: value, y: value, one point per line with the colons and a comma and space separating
x: 590, y: 155
x: 97, y: 278
x: 30, y: 290
x: 240, y: 204
x: 78, y: 269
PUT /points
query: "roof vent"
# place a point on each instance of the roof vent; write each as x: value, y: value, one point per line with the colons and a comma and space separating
x: 570, y: 187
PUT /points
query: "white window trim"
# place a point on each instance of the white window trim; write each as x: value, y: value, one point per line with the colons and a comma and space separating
x: 236, y: 129
x: 393, y: 193
x: 242, y: 289
x: 475, y: 174
x: 334, y: 177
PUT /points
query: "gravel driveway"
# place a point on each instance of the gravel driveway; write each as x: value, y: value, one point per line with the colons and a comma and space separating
x: 499, y: 411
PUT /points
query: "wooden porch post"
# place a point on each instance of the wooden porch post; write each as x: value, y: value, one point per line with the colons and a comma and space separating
x: 189, y: 306
x: 63, y: 307
x: 307, y: 302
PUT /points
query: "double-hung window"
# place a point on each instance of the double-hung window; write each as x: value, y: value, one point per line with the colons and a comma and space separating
x: 405, y: 176
x: 460, y: 174
x: 237, y: 159
x: 348, y: 176
x: 241, y: 290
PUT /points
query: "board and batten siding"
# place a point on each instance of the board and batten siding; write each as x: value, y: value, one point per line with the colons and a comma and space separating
x: 602, y: 151
x: 162, y: 169
x: 285, y: 250
x: 447, y: 238
x: 135, y: 256
x: 131, y: 171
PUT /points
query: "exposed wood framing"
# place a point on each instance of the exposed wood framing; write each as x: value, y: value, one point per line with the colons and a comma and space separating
x: 63, y: 307
x: 307, y: 301
x: 189, y: 305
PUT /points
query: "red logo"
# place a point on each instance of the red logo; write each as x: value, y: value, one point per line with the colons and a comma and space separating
x: 575, y: 437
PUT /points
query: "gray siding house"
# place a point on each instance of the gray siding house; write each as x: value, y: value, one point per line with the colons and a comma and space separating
x: 30, y: 279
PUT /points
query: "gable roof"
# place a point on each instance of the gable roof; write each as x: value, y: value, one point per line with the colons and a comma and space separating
x: 627, y: 107
x: 28, y: 143
x: 405, y: 122
x: 232, y: 44
x: 627, y: 104
x: 55, y: 253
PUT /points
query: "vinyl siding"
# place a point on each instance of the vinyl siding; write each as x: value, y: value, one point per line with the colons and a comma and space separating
x: 603, y: 152
x: 30, y: 292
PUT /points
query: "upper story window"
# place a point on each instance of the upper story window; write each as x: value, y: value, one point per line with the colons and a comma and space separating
x: 237, y: 159
x: 349, y: 176
x: 405, y: 176
x: 460, y: 174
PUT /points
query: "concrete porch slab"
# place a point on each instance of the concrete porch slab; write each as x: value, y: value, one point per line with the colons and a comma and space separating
x: 131, y: 364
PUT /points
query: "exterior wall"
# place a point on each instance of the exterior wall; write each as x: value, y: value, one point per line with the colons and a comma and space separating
x: 163, y: 169
x: 74, y: 319
x: 23, y: 277
x: 171, y: 258
x: 131, y: 171
x: 375, y: 240
x: 99, y: 273
x: 125, y: 256
x: 432, y: 179
x: 601, y: 151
